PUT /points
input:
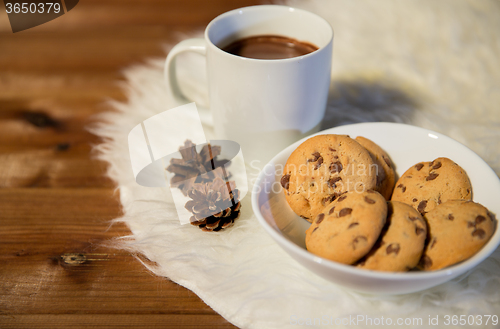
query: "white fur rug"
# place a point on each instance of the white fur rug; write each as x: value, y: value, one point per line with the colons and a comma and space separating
x: 429, y: 63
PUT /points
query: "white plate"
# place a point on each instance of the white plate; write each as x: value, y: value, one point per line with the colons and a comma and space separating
x: 406, y: 145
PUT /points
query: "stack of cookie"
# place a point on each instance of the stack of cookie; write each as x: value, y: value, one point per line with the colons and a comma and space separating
x: 458, y: 227
x: 343, y: 186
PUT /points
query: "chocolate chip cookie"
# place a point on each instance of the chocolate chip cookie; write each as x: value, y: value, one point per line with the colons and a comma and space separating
x: 428, y: 184
x: 401, y: 242
x: 322, y: 168
x: 457, y: 230
x: 386, y: 176
x: 348, y: 227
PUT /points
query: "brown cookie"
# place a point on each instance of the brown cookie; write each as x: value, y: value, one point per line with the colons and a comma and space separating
x: 386, y: 176
x: 427, y: 184
x: 401, y: 242
x: 323, y: 167
x: 457, y: 230
x: 348, y: 228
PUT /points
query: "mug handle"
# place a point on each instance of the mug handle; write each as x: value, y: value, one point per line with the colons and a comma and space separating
x: 196, y: 45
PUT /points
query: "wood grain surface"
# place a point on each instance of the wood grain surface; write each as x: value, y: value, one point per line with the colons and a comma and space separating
x: 56, y: 269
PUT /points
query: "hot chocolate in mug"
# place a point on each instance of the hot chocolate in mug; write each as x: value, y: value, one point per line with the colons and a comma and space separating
x: 262, y: 104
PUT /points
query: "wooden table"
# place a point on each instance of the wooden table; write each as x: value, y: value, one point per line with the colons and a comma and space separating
x: 55, y: 200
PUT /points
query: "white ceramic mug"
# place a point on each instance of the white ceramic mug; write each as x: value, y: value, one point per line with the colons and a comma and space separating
x: 264, y: 105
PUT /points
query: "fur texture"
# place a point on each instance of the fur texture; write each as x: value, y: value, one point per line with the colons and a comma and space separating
x: 428, y: 63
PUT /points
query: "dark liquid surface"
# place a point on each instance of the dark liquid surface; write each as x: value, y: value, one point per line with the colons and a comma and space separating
x: 269, y: 47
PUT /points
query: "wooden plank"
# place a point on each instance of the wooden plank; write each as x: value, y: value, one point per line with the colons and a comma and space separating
x: 25, y: 86
x: 80, y: 51
x: 46, y: 206
x: 172, y: 13
x: 56, y: 260
x: 44, y: 144
x: 115, y: 321
x: 42, y: 169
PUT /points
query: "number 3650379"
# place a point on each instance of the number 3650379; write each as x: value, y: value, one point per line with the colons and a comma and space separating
x: 32, y: 8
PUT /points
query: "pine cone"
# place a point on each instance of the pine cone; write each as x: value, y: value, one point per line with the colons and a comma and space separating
x: 194, y: 167
x: 215, y: 205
